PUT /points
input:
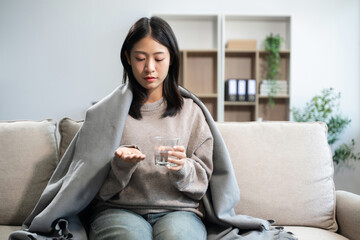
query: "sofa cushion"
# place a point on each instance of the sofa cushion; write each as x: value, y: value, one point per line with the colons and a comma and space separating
x: 310, y: 233
x: 284, y: 171
x: 5, y: 231
x: 67, y: 129
x: 28, y: 157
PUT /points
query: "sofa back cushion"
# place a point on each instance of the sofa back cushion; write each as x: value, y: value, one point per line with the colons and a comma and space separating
x: 67, y: 129
x: 284, y: 171
x: 28, y: 157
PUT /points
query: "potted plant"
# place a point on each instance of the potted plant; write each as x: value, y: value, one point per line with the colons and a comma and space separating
x: 272, y: 68
x: 325, y: 108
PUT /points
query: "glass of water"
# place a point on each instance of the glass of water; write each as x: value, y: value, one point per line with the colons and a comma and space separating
x: 162, y: 145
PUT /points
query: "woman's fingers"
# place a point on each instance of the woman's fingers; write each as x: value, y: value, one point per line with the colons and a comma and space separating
x: 177, y: 161
x: 178, y: 157
x: 118, y: 153
x: 179, y: 148
x: 129, y: 154
x: 175, y: 168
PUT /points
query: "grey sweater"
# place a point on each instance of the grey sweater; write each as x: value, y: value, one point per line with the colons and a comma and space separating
x: 147, y: 188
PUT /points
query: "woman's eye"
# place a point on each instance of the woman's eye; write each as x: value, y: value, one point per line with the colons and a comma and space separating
x: 140, y: 59
x: 159, y: 60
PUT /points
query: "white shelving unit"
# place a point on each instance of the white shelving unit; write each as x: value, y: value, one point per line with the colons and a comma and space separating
x: 207, y: 63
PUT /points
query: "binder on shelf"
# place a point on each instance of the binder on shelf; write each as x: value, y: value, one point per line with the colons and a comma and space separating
x: 241, y: 90
x: 251, y: 90
x: 231, y: 90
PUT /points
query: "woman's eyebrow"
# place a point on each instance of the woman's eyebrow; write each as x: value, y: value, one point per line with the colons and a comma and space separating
x: 145, y: 53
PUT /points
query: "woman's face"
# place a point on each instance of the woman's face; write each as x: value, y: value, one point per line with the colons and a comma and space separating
x: 150, y: 63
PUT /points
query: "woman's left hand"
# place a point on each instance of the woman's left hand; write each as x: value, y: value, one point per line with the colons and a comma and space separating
x: 178, y: 152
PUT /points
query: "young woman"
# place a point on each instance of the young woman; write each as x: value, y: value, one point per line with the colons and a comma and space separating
x: 140, y: 200
x: 108, y: 170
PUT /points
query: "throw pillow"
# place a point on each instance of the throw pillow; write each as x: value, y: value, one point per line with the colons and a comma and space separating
x: 284, y: 171
x: 68, y: 129
x: 28, y: 157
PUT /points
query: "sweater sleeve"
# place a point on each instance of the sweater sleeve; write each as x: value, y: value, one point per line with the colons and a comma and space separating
x: 193, y: 179
x: 119, y: 176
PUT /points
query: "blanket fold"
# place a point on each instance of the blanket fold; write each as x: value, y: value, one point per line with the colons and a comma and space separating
x: 86, y: 163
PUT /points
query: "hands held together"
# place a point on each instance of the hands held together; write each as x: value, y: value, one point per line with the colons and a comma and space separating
x: 133, y: 155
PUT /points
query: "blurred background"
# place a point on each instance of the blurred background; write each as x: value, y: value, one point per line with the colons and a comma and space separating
x: 58, y: 57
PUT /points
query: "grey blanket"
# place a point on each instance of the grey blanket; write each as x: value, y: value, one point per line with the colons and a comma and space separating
x: 86, y: 163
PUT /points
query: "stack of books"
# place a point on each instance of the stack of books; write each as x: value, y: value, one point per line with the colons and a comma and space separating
x: 274, y: 87
x: 243, y: 90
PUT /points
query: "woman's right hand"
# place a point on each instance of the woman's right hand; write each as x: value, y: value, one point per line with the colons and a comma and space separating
x: 131, y: 155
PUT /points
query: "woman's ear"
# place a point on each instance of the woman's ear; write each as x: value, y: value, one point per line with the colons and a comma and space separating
x: 127, y: 58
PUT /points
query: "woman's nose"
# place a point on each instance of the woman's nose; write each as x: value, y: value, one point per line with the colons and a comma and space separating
x: 150, y: 65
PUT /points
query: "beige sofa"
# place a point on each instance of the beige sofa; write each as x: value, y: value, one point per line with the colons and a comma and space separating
x: 284, y: 171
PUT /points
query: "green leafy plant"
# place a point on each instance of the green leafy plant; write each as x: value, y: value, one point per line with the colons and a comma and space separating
x: 345, y: 152
x: 272, y: 59
x: 325, y: 108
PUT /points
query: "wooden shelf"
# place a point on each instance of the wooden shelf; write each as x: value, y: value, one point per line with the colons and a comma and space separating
x: 275, y: 97
x: 240, y: 51
x: 282, y: 52
x: 207, y: 95
x: 227, y: 50
x: 199, y: 50
x: 230, y: 103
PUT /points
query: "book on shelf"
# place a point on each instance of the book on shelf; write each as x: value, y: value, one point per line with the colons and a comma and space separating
x: 240, y: 90
x: 274, y: 87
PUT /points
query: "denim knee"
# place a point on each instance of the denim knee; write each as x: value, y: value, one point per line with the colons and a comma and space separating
x: 119, y: 224
x: 179, y: 225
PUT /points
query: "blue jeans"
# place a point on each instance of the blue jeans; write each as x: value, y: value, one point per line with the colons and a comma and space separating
x: 123, y: 224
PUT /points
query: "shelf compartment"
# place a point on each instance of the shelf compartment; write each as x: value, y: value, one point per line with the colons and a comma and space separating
x: 193, y: 30
x: 280, y: 112
x: 239, y: 113
x: 240, y: 64
x: 257, y: 27
x: 201, y: 72
x: 284, y: 65
x: 211, y: 105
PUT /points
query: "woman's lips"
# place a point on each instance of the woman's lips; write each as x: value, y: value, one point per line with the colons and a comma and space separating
x: 150, y: 79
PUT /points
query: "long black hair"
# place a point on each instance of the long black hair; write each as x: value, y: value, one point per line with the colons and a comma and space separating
x: 161, y: 32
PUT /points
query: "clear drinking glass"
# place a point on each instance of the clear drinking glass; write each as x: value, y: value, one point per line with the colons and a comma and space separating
x: 162, y: 145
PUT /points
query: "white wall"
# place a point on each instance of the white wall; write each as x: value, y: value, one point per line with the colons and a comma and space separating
x: 56, y: 57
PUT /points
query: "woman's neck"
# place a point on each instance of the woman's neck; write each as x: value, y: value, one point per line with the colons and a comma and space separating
x: 154, y: 96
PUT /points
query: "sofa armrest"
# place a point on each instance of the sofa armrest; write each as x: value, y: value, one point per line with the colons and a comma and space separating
x: 348, y: 214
